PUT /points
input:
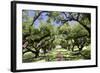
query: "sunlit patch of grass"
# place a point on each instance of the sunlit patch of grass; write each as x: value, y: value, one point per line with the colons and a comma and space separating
x: 28, y: 57
x: 52, y: 55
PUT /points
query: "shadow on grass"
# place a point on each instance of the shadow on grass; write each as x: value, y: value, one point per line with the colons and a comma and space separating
x: 28, y: 60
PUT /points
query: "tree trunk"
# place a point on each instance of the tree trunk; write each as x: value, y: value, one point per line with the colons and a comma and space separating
x: 36, y: 53
x: 72, y: 48
x: 80, y: 48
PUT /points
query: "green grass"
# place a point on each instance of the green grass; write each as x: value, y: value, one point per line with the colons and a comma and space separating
x: 52, y: 55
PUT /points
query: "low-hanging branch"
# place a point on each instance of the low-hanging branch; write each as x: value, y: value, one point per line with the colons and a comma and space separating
x: 77, y: 19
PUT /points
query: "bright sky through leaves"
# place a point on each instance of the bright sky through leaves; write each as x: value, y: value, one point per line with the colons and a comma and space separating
x: 43, y: 18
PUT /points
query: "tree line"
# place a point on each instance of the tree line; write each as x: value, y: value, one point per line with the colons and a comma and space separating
x: 47, y: 35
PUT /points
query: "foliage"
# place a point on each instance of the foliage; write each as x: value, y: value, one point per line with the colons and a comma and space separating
x: 44, y: 30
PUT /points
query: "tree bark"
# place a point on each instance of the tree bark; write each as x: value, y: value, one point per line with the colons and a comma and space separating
x: 36, y: 53
x: 77, y: 19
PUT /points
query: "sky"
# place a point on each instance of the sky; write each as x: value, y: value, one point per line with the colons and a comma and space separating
x: 44, y: 18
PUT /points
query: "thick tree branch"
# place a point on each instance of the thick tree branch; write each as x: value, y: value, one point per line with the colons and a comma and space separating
x: 71, y: 18
x: 35, y: 18
x: 65, y: 14
x: 78, y: 15
x: 87, y: 28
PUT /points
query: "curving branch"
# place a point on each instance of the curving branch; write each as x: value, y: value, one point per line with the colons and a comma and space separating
x: 71, y: 18
x: 36, y: 17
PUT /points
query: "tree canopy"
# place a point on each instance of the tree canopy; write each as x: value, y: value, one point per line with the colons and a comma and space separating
x: 44, y: 30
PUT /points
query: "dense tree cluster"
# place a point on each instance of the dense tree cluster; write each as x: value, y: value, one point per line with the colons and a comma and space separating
x: 73, y: 30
